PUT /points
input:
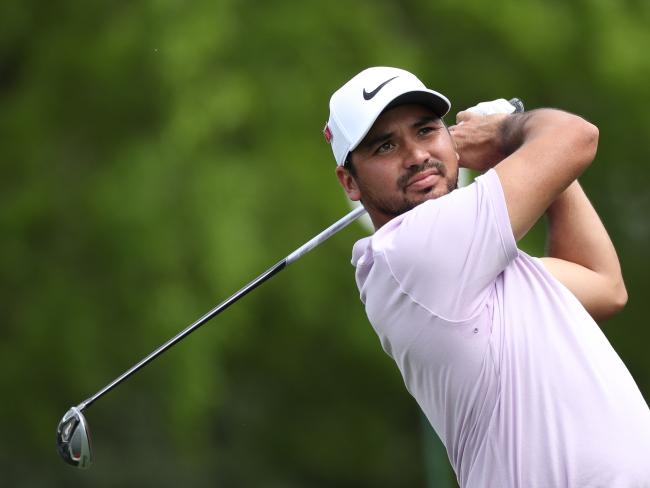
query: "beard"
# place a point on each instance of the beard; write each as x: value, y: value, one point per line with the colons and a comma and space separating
x: 401, y: 202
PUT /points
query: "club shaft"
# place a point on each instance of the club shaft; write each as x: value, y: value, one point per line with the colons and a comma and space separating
x: 272, y: 271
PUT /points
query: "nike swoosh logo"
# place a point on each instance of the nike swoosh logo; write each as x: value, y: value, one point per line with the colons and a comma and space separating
x: 369, y: 95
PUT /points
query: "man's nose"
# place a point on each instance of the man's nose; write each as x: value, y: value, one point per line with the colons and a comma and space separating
x: 415, y: 155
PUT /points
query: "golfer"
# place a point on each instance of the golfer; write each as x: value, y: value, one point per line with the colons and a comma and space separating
x: 500, y: 349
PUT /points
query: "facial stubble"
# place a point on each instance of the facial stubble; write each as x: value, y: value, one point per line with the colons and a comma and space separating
x: 397, y: 206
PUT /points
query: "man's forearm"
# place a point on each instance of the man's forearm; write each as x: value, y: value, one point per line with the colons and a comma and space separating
x: 489, y: 139
x: 537, y: 155
x: 577, y: 235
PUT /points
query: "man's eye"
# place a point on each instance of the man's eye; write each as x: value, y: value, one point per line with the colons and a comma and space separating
x: 386, y: 146
x: 425, y: 130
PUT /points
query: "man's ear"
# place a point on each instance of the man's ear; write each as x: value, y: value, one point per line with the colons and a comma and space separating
x: 348, y: 183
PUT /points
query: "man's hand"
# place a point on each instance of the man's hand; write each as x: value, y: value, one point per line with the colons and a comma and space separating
x: 478, y: 140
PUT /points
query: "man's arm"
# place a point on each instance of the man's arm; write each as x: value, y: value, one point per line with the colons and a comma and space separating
x: 582, y: 256
x: 537, y: 155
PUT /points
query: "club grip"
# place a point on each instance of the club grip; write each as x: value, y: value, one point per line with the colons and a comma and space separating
x: 518, y: 104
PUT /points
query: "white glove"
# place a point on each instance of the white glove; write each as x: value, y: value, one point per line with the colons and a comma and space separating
x: 499, y: 106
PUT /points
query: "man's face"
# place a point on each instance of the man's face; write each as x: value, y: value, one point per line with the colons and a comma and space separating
x: 406, y: 158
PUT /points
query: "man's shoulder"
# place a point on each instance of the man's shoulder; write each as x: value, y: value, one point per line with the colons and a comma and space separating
x: 415, y: 228
x: 364, y: 249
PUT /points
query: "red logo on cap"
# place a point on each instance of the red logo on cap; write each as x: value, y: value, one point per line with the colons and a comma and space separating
x: 327, y: 133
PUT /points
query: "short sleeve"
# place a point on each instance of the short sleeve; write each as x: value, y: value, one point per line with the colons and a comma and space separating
x: 447, y: 253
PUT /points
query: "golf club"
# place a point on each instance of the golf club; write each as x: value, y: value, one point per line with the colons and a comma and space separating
x: 72, y: 434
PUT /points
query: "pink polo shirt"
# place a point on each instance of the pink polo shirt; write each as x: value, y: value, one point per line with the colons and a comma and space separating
x: 514, y: 375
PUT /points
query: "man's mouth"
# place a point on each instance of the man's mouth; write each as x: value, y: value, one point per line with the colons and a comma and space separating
x: 422, y: 177
x: 423, y: 180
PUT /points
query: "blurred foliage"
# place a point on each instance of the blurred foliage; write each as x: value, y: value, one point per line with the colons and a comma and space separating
x: 158, y: 155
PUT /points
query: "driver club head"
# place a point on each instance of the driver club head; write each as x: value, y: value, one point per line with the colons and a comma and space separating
x: 73, y: 439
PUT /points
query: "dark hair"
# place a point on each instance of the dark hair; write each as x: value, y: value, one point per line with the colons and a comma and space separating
x: 349, y: 166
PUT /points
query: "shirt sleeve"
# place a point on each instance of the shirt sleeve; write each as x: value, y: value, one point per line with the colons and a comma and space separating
x: 447, y: 253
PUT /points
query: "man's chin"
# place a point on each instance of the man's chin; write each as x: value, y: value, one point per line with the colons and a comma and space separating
x: 432, y: 193
x: 412, y: 199
x: 415, y: 200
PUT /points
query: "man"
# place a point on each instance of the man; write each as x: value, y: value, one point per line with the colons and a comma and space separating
x: 500, y: 350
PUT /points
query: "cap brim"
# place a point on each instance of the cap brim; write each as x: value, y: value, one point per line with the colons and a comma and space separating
x: 438, y: 104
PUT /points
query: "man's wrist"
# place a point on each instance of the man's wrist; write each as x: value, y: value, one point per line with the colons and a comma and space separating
x: 512, y: 132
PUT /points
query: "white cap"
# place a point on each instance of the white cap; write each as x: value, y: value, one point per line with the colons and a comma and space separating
x: 356, y: 105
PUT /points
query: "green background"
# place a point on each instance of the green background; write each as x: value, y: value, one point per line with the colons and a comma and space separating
x: 157, y: 155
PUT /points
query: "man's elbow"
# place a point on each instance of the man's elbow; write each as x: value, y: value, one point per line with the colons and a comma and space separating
x: 619, y: 299
x: 592, y: 134
x: 616, y: 300
x: 586, y: 141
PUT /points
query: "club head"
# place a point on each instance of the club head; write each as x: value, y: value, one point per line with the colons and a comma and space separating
x: 73, y: 439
